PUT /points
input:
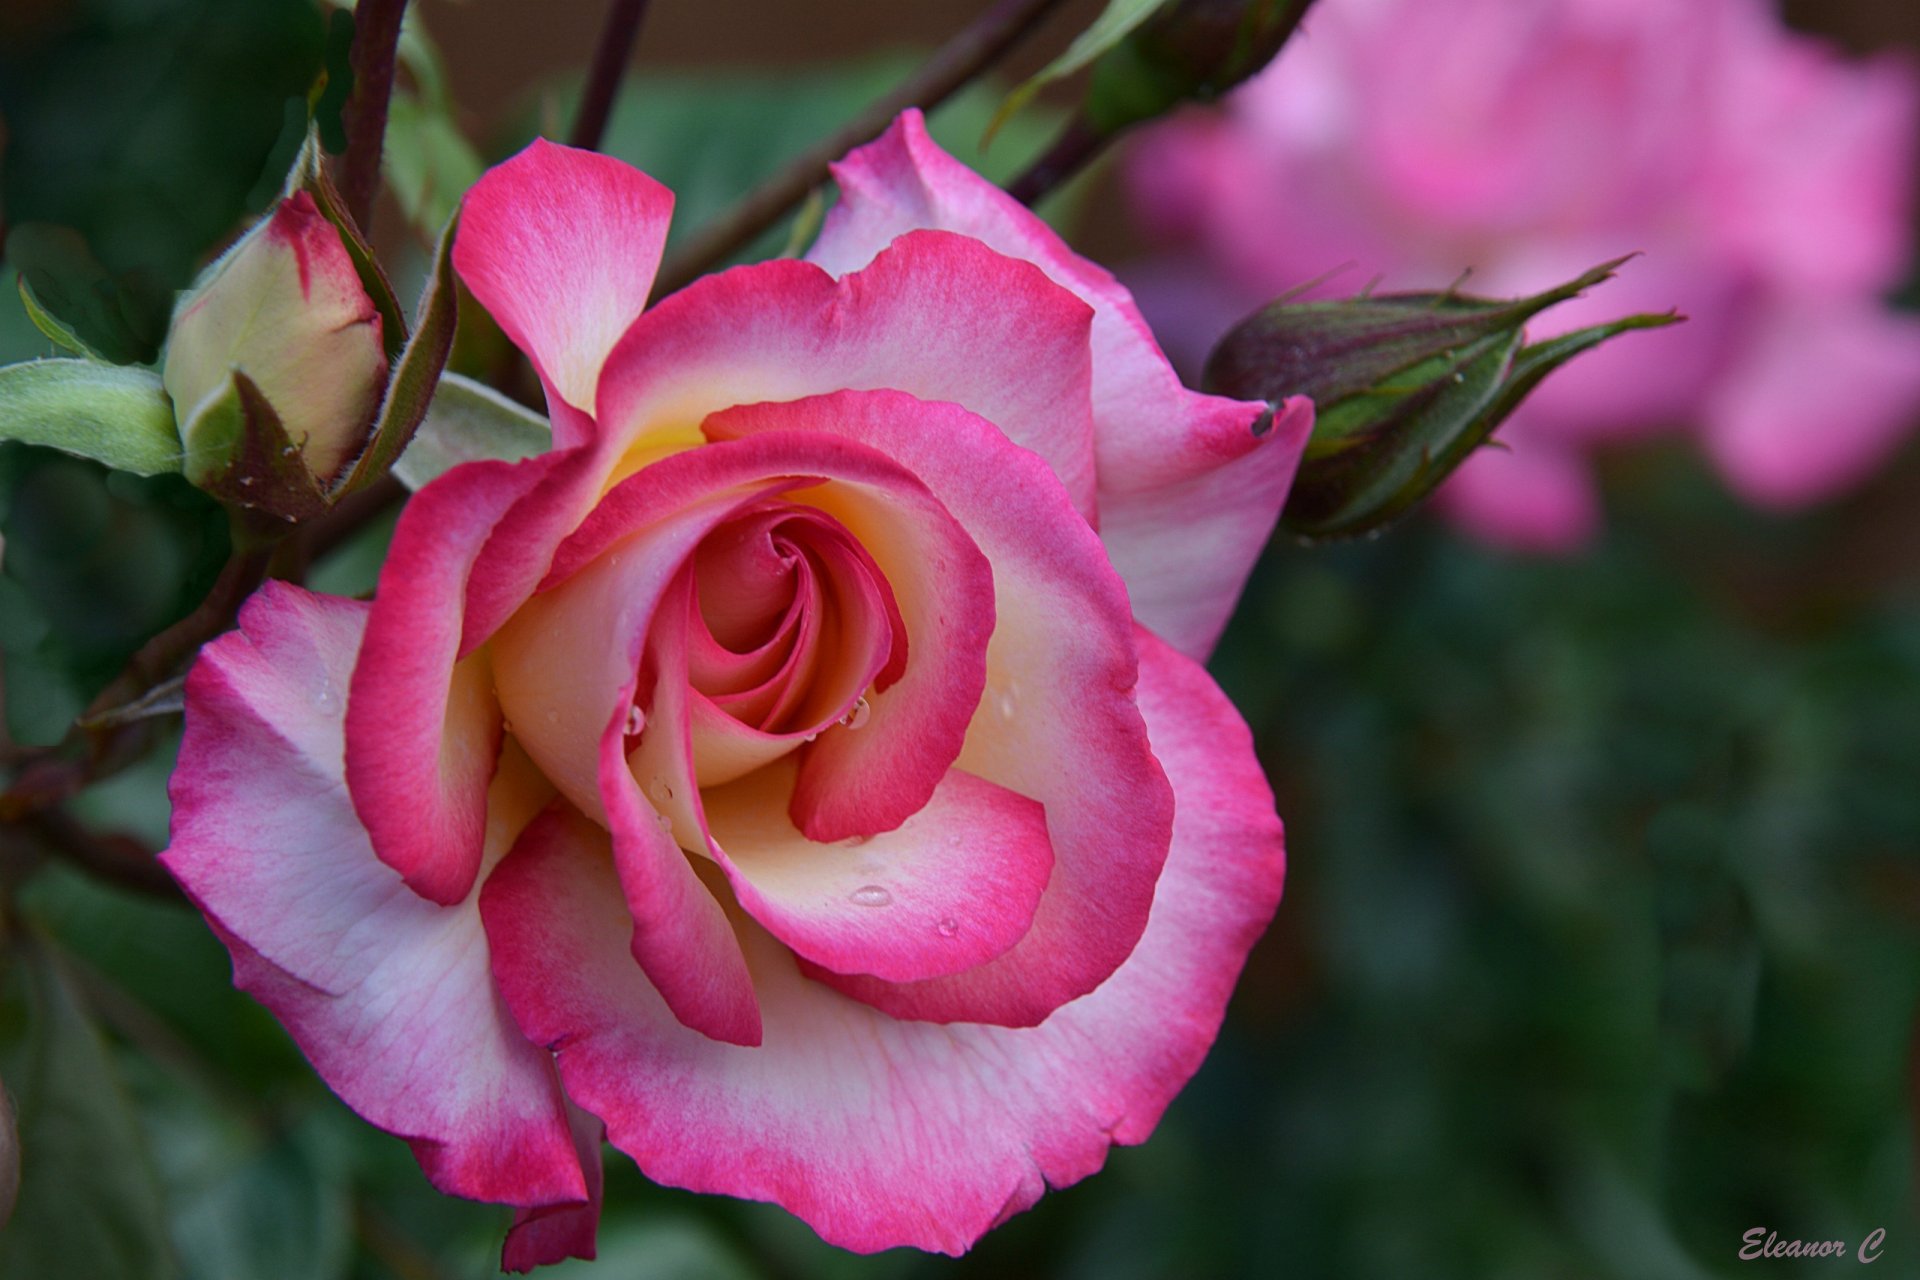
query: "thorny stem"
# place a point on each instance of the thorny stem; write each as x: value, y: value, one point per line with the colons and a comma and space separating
x: 610, y: 57
x: 376, y: 36
x: 962, y: 58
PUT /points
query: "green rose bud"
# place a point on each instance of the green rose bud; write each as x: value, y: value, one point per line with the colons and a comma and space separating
x: 1405, y: 387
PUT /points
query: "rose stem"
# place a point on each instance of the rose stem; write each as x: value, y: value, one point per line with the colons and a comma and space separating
x: 972, y: 51
x: 84, y: 756
x: 610, y: 57
x: 376, y: 35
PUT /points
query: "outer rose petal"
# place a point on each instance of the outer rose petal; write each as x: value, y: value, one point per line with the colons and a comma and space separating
x: 882, y: 1133
x: 1151, y: 433
x: 1823, y: 395
x: 390, y: 996
x: 422, y: 728
x: 938, y: 316
x: 552, y: 1233
x: 560, y: 246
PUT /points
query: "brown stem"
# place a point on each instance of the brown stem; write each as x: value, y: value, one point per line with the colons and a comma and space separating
x: 969, y: 53
x: 376, y: 36
x: 1071, y: 152
x: 119, y: 859
x: 83, y: 757
x: 610, y: 57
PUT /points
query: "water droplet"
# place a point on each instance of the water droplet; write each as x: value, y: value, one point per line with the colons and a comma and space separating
x: 636, y: 720
x: 1459, y: 377
x: 810, y: 737
x: 947, y: 927
x: 1006, y: 704
x: 858, y: 716
x: 663, y: 822
x: 246, y: 480
x: 506, y: 726
x: 289, y: 451
x: 660, y: 789
x: 870, y: 895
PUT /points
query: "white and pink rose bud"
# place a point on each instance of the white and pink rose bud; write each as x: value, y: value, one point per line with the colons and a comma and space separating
x: 279, y: 326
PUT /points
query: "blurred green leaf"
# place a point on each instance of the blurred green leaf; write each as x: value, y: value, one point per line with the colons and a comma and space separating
x: 114, y: 414
x: 56, y: 330
x: 90, y: 1204
x: 429, y: 163
x: 1113, y: 25
x: 468, y: 421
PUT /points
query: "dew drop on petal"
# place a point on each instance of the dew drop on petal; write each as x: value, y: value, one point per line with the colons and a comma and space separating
x: 858, y: 715
x: 660, y: 789
x: 870, y: 895
x: 636, y: 720
x: 663, y: 822
x: 810, y: 737
x: 947, y: 927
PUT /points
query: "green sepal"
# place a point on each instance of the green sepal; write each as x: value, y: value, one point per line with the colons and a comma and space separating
x: 238, y: 451
x: 410, y: 390
x: 470, y: 422
x: 115, y: 414
x: 57, y: 331
x: 1405, y: 388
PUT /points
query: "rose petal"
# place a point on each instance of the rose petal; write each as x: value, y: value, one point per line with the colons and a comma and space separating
x: 422, y: 726
x: 855, y: 782
x: 1824, y: 394
x: 554, y: 1233
x: 882, y: 1133
x: 953, y: 887
x: 939, y: 316
x: 1155, y: 440
x: 560, y: 246
x: 1057, y: 724
x: 388, y: 995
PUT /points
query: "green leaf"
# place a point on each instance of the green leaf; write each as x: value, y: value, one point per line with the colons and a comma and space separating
x: 90, y: 1204
x: 115, y: 414
x: 429, y: 163
x: 57, y: 331
x: 468, y: 422
x: 411, y: 388
x: 1113, y: 25
x: 247, y: 1205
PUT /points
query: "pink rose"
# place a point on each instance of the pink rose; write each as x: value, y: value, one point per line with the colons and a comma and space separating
x: 803, y: 770
x: 1766, y: 179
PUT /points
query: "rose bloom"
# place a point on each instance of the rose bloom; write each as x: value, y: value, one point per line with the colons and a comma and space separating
x: 1766, y: 180
x: 802, y: 773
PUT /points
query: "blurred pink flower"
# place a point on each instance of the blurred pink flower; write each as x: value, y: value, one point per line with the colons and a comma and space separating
x: 1766, y: 179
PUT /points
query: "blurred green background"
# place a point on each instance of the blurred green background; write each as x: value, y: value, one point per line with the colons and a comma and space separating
x: 1599, y: 946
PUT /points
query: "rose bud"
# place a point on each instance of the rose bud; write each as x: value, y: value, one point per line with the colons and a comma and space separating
x: 276, y: 365
x: 1406, y: 386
